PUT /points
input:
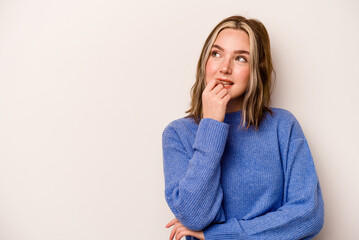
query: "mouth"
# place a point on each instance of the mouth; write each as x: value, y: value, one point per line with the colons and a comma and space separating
x: 225, y: 82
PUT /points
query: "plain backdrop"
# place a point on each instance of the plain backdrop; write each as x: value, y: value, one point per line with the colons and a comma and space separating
x: 87, y: 87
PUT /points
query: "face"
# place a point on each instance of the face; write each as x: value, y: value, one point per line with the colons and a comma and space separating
x: 229, y: 62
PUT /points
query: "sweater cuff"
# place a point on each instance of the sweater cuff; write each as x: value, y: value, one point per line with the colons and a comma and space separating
x: 227, y: 231
x: 211, y: 136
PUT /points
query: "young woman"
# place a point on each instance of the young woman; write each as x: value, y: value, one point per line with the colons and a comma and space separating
x: 236, y: 168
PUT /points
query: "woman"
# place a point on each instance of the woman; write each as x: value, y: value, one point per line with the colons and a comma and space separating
x: 234, y: 167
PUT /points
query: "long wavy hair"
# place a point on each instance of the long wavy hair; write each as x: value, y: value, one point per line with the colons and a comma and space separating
x: 257, y: 95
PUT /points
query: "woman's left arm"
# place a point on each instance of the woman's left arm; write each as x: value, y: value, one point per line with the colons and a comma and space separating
x: 300, y: 217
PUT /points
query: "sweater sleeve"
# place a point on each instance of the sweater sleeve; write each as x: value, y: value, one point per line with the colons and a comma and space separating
x: 300, y: 217
x: 192, y: 183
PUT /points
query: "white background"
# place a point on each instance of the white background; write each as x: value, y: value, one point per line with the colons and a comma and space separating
x: 87, y: 87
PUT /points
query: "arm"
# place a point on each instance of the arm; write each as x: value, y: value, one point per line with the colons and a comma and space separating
x: 192, y: 183
x: 300, y: 216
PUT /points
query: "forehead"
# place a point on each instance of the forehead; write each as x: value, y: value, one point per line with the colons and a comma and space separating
x: 233, y: 39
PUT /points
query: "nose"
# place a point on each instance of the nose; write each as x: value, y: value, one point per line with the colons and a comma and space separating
x: 226, y: 67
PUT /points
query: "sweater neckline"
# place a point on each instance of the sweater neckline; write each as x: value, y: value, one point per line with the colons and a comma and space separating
x: 233, y: 116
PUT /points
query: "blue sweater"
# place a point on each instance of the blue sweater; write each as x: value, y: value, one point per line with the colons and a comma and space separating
x: 233, y: 183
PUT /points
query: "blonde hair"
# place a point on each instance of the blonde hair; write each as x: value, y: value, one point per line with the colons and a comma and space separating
x: 257, y: 95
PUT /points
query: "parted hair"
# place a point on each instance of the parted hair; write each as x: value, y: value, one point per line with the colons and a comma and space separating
x: 256, y: 99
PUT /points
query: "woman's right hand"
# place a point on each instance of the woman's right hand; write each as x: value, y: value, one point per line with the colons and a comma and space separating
x: 214, y: 100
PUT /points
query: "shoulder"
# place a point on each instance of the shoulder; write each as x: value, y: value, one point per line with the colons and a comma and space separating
x: 282, y: 114
x: 286, y: 123
x: 179, y: 126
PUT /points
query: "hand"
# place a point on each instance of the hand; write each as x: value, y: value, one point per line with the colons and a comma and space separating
x: 214, y: 100
x: 180, y: 231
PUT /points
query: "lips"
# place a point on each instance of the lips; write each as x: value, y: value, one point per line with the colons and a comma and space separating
x: 225, y: 81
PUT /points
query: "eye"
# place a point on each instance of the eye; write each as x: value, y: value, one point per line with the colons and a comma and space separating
x: 215, y: 54
x: 241, y: 59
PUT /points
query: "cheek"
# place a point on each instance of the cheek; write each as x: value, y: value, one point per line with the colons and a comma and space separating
x: 246, y: 74
x: 210, y: 70
x: 243, y: 74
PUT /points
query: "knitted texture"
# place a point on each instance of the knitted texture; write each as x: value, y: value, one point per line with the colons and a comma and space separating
x: 233, y: 183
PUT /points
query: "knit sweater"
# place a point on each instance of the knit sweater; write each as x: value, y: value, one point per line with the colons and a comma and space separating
x: 233, y: 183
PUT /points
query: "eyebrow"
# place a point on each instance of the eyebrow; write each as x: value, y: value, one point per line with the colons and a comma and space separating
x: 237, y: 51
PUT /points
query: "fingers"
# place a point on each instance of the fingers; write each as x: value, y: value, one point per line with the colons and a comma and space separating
x: 226, y: 98
x: 215, y: 98
x: 181, y: 231
x: 177, y: 229
x: 174, y: 229
x: 212, y: 84
x: 223, y: 92
x: 173, y: 221
x: 173, y: 233
x: 180, y: 235
x: 217, y: 88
